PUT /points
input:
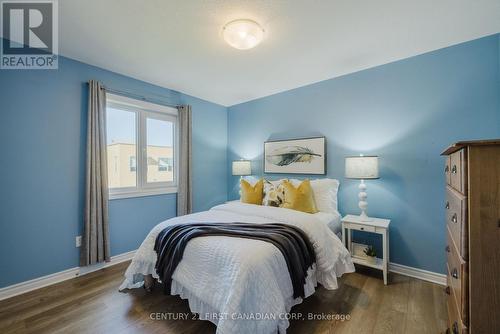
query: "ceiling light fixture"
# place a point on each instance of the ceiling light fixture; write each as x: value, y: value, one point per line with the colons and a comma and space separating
x: 243, y: 34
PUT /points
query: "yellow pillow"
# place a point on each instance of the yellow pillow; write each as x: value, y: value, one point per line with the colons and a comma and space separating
x: 252, y: 195
x: 300, y: 198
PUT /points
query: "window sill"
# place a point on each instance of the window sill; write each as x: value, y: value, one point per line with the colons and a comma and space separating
x: 142, y: 193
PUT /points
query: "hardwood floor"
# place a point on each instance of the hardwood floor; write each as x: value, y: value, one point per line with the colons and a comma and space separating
x: 92, y: 304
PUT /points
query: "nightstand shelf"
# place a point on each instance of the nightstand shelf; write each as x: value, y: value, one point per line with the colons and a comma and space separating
x: 375, y: 225
x: 379, y: 263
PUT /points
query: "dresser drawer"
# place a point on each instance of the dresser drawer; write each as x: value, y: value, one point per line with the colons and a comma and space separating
x: 458, y: 171
x: 456, y: 219
x: 455, y: 325
x: 458, y: 279
x: 447, y: 169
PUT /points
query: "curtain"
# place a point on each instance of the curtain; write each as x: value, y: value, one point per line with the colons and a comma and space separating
x: 184, y: 187
x: 95, y: 241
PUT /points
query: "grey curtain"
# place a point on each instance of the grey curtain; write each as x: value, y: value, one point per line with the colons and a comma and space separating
x: 184, y: 186
x: 95, y: 241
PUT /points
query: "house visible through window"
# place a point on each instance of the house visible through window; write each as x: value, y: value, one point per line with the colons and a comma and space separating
x: 141, y: 144
x: 158, y: 147
x: 165, y: 164
x: 122, y: 144
x: 133, y: 164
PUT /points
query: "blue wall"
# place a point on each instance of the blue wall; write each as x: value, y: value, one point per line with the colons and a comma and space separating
x: 406, y: 112
x: 43, y: 134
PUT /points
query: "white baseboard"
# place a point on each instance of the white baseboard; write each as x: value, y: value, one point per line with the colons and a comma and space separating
x: 37, y: 283
x: 114, y: 260
x: 40, y: 282
x: 421, y: 274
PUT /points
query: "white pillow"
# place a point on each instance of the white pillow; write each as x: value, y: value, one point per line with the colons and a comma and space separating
x: 325, y: 193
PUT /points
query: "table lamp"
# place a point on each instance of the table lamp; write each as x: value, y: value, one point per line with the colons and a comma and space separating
x: 362, y: 168
x: 242, y: 168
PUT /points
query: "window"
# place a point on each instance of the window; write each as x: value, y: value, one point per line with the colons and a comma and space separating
x: 159, y: 147
x: 141, y: 143
x: 122, y: 138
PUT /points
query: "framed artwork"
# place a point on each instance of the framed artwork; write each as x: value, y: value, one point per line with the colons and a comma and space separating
x: 295, y: 156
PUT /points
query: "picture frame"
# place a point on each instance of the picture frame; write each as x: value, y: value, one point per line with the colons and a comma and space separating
x: 295, y: 156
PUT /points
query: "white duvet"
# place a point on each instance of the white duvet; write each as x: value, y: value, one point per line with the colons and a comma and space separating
x: 227, y: 280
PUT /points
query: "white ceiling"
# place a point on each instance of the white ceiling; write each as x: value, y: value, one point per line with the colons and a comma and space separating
x: 178, y: 44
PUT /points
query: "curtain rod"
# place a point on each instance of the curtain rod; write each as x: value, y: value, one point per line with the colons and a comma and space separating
x: 139, y: 97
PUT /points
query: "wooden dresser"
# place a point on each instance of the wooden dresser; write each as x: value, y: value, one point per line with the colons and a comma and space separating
x: 473, y: 236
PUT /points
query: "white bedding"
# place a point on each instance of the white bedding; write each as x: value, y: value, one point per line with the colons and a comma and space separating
x: 227, y: 278
x: 332, y: 220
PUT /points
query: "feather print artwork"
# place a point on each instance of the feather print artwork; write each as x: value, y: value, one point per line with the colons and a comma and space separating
x: 295, y: 156
x: 287, y: 155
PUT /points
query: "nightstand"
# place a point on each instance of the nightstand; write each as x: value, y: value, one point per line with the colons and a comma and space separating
x: 376, y: 225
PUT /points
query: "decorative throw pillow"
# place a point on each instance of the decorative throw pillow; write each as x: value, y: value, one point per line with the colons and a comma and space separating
x: 324, y: 192
x: 273, y: 193
x: 251, y: 179
x: 300, y: 198
x: 252, y: 194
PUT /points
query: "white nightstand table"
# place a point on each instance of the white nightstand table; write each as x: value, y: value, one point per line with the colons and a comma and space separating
x: 376, y: 225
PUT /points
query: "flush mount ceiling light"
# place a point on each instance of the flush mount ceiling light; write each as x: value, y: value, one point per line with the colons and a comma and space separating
x: 243, y: 34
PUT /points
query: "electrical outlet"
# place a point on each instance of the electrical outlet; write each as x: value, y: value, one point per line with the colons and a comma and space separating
x: 78, y: 241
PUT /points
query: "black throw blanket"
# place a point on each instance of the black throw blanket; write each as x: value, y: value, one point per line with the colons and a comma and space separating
x: 291, y: 241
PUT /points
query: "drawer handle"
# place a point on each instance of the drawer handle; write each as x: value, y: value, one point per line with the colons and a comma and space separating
x: 447, y: 206
x: 454, y: 328
x: 454, y: 218
x: 454, y: 169
x: 447, y: 290
x: 454, y: 273
x: 447, y: 249
x: 447, y: 169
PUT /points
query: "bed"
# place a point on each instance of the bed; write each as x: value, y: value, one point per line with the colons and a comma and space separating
x: 243, y: 285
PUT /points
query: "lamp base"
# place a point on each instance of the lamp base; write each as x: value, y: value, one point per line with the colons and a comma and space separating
x: 239, y: 185
x: 364, y: 218
x: 363, y: 204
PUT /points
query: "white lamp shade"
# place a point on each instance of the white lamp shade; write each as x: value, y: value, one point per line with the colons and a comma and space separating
x: 242, y: 167
x: 243, y: 34
x: 362, y: 167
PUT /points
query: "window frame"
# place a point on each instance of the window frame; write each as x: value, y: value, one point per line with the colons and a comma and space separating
x: 143, y: 111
